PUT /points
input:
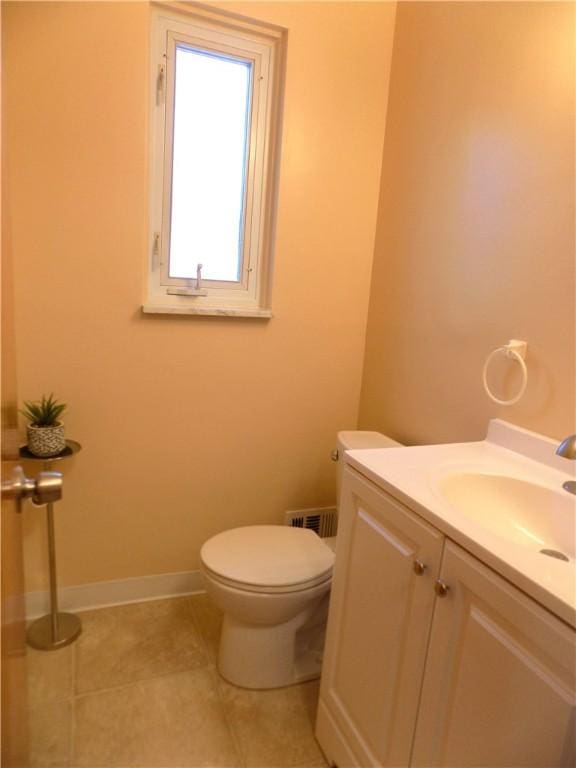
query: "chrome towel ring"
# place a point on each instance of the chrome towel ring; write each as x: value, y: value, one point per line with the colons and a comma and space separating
x: 515, y: 350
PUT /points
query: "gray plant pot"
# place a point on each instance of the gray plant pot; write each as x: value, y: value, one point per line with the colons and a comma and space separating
x: 46, y: 441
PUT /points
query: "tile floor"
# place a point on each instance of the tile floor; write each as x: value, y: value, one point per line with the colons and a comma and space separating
x: 139, y: 689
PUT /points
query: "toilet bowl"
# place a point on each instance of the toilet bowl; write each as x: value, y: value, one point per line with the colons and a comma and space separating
x: 272, y: 583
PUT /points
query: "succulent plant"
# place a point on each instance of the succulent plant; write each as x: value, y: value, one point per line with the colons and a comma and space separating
x: 45, y: 413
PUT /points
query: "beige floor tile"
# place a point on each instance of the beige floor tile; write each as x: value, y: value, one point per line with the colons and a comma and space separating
x: 209, y: 620
x: 136, y: 642
x: 50, y: 735
x: 275, y: 729
x: 176, y: 720
x: 49, y: 675
x: 150, y: 698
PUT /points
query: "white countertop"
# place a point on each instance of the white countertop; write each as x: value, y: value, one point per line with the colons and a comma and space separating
x: 412, y: 475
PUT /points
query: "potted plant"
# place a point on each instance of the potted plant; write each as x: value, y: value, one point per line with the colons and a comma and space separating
x: 45, y: 430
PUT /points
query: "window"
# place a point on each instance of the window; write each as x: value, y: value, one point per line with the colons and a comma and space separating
x: 216, y: 100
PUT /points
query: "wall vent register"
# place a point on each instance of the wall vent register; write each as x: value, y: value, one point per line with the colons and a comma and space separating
x: 323, y: 520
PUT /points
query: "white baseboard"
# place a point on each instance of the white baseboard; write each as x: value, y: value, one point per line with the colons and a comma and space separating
x: 101, y: 594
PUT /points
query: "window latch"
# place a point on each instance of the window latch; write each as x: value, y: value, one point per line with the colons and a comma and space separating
x: 196, y: 291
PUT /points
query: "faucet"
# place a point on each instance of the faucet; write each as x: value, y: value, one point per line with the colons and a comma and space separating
x: 567, y: 449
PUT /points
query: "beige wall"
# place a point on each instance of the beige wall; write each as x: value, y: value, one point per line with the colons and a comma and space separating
x: 189, y: 425
x: 475, y: 239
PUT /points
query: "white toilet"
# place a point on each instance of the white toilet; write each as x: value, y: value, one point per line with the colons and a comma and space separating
x: 272, y: 583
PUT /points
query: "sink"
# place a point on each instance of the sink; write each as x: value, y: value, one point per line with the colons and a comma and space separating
x: 523, y: 513
x: 501, y: 499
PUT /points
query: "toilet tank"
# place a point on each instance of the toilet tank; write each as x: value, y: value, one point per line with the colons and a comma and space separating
x: 349, y: 440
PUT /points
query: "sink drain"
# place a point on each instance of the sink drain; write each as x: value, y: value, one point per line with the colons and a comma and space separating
x: 555, y: 553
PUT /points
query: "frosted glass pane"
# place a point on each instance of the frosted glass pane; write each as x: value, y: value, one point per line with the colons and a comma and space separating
x: 208, y: 170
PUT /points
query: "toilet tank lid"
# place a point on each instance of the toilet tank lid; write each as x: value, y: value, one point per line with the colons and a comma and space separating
x: 268, y: 555
x: 352, y: 439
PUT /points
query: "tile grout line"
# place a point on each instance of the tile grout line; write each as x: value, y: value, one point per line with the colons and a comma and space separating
x: 218, y: 690
x: 198, y: 627
x: 134, y: 683
x: 72, y: 748
x: 229, y: 719
x: 207, y: 660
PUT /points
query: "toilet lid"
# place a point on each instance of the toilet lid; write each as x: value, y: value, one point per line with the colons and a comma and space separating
x: 268, y: 555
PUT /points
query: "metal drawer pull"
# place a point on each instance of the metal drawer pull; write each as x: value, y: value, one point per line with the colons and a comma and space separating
x: 441, y: 588
x: 419, y: 567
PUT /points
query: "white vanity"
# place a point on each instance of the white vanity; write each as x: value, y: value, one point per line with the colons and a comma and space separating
x: 451, y: 636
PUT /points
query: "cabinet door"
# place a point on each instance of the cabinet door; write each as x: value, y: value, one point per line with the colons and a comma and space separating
x: 499, y: 682
x: 378, y: 627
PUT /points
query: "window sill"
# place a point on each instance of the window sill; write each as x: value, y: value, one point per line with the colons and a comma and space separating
x: 163, y: 309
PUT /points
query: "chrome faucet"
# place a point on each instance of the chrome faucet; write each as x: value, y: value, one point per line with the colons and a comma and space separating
x: 567, y: 449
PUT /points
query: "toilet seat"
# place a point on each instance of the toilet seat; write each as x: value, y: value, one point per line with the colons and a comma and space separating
x: 268, y: 558
x: 268, y: 590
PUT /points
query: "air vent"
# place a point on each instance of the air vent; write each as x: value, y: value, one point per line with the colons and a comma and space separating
x: 323, y: 521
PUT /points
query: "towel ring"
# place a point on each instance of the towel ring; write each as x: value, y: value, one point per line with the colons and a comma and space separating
x: 515, y: 350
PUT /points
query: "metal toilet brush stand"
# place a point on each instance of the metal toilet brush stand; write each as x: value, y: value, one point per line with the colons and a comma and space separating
x: 55, y: 630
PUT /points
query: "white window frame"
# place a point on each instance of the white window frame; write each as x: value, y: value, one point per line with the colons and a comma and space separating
x: 264, y: 47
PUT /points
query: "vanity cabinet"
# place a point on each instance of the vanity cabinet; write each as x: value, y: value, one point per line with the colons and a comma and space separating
x: 431, y: 658
x: 498, y: 687
x: 378, y: 627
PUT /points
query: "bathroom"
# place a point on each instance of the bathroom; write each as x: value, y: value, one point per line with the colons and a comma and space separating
x: 425, y: 216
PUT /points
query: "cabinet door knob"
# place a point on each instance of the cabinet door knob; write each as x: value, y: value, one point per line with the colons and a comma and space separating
x: 441, y: 588
x: 418, y: 567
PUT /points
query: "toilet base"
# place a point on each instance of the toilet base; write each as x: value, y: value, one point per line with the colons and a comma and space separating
x: 261, y: 656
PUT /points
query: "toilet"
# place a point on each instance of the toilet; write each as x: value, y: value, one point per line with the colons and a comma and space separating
x: 272, y: 583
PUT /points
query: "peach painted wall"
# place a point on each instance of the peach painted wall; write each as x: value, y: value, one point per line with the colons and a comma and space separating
x: 475, y: 241
x: 188, y: 425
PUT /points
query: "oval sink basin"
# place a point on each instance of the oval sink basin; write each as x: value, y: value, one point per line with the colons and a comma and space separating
x: 524, y: 513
